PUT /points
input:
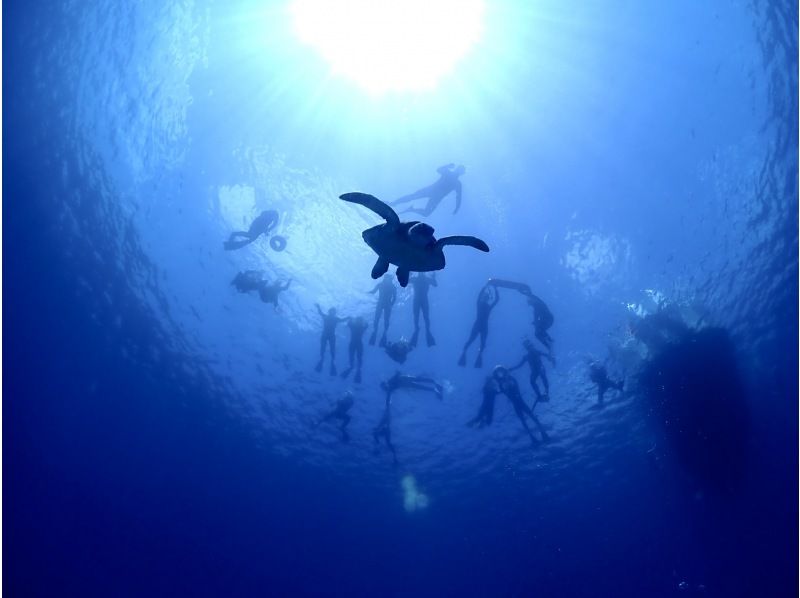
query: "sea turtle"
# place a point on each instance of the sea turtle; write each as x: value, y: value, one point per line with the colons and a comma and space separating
x: 410, y: 246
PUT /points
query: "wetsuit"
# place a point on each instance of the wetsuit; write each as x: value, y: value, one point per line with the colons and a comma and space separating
x: 534, y: 360
x: 422, y: 284
x: 481, y: 326
x: 356, y: 348
x: 387, y: 294
x: 486, y: 411
x: 328, y: 337
x: 340, y: 412
x: 447, y: 182
x: 264, y: 223
x: 269, y: 292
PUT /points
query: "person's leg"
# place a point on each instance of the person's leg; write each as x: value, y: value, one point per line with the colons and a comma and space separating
x: 417, y: 309
x: 343, y: 426
x: 375, y: 321
x: 479, y: 359
x: 332, y: 342
x: 419, y: 194
x: 545, y: 383
x: 359, y: 361
x: 322, y: 342
x: 427, y: 317
x: 387, y: 314
x: 535, y: 388
x: 518, y: 409
x: 472, y: 336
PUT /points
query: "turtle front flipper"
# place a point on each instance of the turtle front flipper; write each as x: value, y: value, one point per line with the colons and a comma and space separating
x: 380, y: 267
x: 402, y: 277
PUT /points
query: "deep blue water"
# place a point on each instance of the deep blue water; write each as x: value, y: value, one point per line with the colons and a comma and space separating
x: 624, y: 159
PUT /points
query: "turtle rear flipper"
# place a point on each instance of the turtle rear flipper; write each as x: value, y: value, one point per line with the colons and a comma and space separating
x: 380, y: 268
x: 373, y: 203
x: 462, y: 240
x: 402, y: 277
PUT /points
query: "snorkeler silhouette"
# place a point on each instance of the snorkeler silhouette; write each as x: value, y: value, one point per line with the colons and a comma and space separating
x: 486, y: 411
x: 262, y: 225
x: 328, y: 337
x: 340, y: 412
x: 509, y: 387
x: 448, y: 181
x: 422, y: 284
x: 387, y: 295
x: 542, y: 316
x: 396, y: 382
x: 599, y: 375
x: 533, y: 358
x: 481, y: 326
x: 398, y: 350
x: 248, y: 280
x: 358, y: 326
x: 269, y: 292
x: 411, y: 246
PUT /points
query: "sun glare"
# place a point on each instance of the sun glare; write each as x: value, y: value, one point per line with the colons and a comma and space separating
x: 390, y: 45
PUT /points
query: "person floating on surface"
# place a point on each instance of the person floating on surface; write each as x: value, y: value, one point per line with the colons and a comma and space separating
x: 358, y: 326
x: 486, y: 303
x: 328, y: 337
x: 262, y: 225
x: 422, y: 284
x: 387, y: 295
x: 533, y: 357
x: 447, y: 182
x: 340, y: 412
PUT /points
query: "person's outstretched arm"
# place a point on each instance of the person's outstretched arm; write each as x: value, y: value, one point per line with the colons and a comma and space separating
x: 520, y: 364
x: 375, y: 290
x: 458, y: 197
x: 319, y: 310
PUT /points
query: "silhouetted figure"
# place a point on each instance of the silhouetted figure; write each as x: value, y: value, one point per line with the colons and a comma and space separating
x: 533, y: 358
x: 448, y: 182
x: 481, y: 326
x: 509, y: 387
x: 599, y: 375
x: 340, y: 412
x: 486, y: 411
x: 269, y: 292
x: 329, y: 323
x: 262, y: 225
x: 422, y: 284
x: 358, y: 326
x: 542, y: 321
x: 398, y: 350
x: 387, y: 295
x: 396, y: 382
x: 249, y: 280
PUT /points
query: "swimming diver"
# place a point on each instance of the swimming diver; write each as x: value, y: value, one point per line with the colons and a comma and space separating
x: 329, y: 323
x: 249, y: 280
x: 422, y: 284
x: 533, y: 358
x: 358, y: 326
x: 340, y: 412
x: 447, y: 182
x: 486, y: 411
x: 542, y: 320
x: 396, y: 382
x: 481, y: 326
x: 387, y: 294
x: 599, y: 375
x: 269, y: 292
x: 509, y: 387
x: 398, y: 350
x: 262, y: 225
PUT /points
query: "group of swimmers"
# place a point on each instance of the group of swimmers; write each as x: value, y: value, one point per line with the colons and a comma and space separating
x: 500, y: 381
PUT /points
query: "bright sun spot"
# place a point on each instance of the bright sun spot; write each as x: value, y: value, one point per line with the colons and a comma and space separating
x: 390, y: 45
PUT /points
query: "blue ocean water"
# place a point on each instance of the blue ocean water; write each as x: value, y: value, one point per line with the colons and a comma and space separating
x: 626, y: 160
